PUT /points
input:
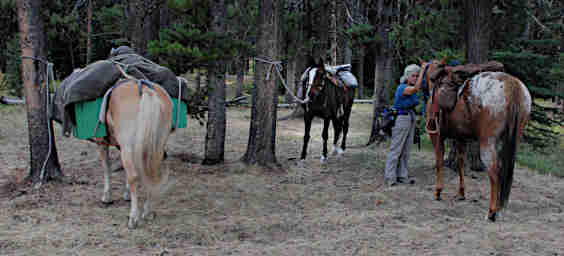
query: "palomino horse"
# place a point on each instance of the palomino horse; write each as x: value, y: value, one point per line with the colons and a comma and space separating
x: 138, y: 119
x: 492, y: 108
x: 330, y: 101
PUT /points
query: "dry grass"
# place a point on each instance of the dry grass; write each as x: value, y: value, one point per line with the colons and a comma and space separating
x: 338, y: 208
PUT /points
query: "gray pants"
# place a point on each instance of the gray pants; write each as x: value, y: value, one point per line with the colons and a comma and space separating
x: 400, y: 148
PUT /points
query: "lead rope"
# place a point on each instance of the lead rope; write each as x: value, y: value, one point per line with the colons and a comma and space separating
x: 278, y: 66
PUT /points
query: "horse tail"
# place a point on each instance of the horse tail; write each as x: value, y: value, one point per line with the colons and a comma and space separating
x: 508, y: 150
x: 153, y: 127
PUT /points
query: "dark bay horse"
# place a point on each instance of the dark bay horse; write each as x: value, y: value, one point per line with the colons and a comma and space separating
x: 492, y: 108
x: 327, y: 99
x: 138, y: 119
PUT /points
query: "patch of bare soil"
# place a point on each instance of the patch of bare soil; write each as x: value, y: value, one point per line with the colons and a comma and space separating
x: 338, y: 208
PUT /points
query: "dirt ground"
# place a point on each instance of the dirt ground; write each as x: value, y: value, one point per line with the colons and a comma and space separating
x: 338, y: 208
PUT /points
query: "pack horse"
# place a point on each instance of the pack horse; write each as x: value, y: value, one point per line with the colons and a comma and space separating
x: 138, y: 119
x: 327, y: 92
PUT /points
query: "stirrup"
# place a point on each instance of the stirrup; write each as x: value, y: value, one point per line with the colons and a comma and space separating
x: 430, y: 131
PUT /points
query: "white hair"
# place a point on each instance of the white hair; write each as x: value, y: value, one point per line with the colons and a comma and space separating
x: 408, y: 71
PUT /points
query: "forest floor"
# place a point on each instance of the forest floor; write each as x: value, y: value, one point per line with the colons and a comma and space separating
x: 338, y: 208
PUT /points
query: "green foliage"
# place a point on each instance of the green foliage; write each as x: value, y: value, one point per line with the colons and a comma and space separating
x: 12, y: 81
x: 191, y: 43
x: 434, y: 32
x: 542, y: 160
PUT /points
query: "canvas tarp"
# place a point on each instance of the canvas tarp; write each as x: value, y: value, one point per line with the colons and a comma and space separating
x: 93, y: 81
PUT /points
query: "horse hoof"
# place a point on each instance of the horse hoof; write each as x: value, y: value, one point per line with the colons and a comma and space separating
x: 149, y: 216
x: 491, y: 217
x: 126, y: 196
x: 107, y: 198
x: 438, y: 195
x: 132, y: 224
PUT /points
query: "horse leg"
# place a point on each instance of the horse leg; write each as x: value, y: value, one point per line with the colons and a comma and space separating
x: 438, y: 144
x: 307, y: 121
x: 325, y: 136
x: 126, y: 196
x: 345, y: 124
x: 132, y: 180
x: 107, y: 196
x: 460, y: 153
x: 337, y: 133
x: 489, y: 156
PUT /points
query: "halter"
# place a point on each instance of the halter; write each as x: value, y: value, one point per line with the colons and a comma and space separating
x: 425, y: 87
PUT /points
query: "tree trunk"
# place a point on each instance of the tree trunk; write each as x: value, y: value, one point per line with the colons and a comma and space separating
x: 44, y: 162
x: 89, y: 36
x: 261, y: 148
x: 291, y: 80
x: 333, y: 32
x: 241, y: 66
x: 477, y: 14
x: 383, y: 65
x: 143, y: 12
x: 215, y: 134
x: 361, y: 86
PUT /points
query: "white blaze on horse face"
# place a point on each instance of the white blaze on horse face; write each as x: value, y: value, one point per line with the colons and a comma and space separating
x: 488, y: 91
x: 311, y: 76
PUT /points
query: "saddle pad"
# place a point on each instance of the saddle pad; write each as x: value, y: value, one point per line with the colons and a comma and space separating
x: 87, y: 112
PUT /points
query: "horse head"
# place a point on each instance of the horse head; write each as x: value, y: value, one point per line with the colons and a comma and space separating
x: 316, y: 81
x: 433, y: 70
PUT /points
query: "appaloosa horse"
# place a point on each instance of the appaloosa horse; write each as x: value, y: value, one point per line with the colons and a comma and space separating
x: 325, y: 97
x: 138, y: 119
x: 492, y: 108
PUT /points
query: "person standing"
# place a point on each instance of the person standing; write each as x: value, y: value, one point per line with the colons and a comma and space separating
x: 405, y: 101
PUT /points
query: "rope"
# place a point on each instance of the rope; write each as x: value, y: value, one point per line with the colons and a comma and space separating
x: 278, y: 66
x: 180, y: 80
x: 50, y: 75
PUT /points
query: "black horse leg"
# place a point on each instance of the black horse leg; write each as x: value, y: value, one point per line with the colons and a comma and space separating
x: 307, y: 121
x: 345, y: 123
x: 337, y: 127
x: 325, y: 136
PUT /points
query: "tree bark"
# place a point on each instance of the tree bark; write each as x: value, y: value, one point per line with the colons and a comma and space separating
x: 477, y: 15
x: 241, y: 66
x: 261, y: 148
x: 44, y: 162
x: 383, y: 63
x: 143, y: 23
x: 89, y: 36
x: 361, y: 86
x: 215, y: 134
x: 333, y: 32
x: 291, y: 79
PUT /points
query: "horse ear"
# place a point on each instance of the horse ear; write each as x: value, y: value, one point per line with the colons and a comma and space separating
x: 311, y: 61
x: 444, y: 61
x: 421, y: 61
x: 321, y: 64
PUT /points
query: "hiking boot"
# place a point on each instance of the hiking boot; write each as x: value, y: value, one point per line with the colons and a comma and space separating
x: 403, y: 180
